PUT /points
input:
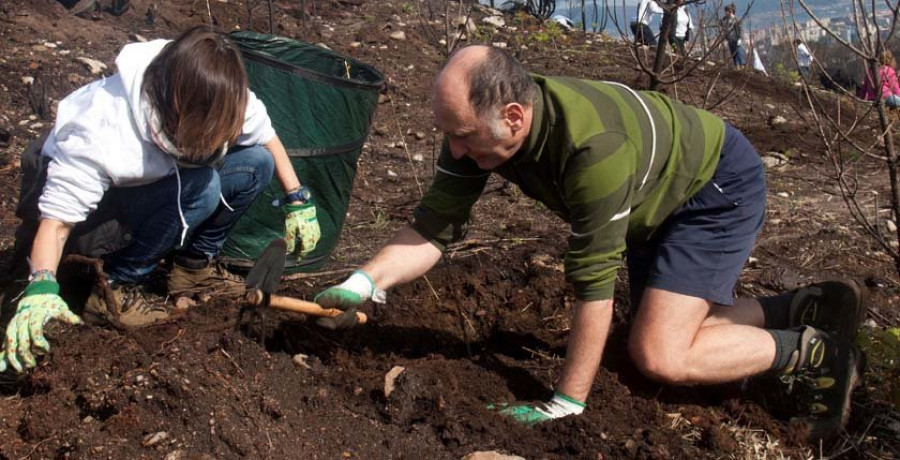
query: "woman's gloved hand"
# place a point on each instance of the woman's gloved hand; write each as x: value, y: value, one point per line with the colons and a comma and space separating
x: 40, y: 304
x: 301, y: 224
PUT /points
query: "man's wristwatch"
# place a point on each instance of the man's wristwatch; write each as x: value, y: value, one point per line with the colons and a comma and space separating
x: 302, y: 195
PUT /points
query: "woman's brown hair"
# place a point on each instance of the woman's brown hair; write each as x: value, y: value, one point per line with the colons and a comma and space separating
x: 198, y: 88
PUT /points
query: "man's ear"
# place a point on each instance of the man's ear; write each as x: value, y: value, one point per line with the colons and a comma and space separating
x: 514, y: 115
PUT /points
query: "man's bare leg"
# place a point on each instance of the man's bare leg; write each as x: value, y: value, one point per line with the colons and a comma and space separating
x: 671, y: 341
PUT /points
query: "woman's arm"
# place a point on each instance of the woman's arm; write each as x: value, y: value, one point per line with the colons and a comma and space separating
x: 48, y: 245
x: 284, y: 170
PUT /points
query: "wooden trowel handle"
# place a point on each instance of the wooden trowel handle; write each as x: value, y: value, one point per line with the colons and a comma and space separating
x: 303, y: 306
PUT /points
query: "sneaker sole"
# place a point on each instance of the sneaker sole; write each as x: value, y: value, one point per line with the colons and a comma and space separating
x: 831, y: 427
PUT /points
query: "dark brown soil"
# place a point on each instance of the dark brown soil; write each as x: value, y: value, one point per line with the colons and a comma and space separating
x: 488, y: 325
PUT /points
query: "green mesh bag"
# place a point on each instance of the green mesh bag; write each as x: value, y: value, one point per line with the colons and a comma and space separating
x: 321, y: 105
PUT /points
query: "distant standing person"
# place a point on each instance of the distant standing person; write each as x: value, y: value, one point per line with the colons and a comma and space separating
x: 804, y: 58
x: 731, y: 28
x: 640, y: 27
x: 681, y: 33
x: 890, y: 87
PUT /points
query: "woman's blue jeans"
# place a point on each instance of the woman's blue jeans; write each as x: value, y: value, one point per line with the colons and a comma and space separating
x: 151, y: 211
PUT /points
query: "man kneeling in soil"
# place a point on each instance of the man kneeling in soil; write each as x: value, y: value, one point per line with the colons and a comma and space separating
x: 675, y: 189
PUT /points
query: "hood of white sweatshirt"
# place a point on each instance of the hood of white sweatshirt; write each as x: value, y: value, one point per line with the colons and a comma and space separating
x: 131, y: 63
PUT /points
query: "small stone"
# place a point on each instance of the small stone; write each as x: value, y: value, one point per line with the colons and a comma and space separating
x: 175, y: 455
x: 36, y: 126
x: 300, y: 361
x: 95, y: 66
x: 777, y: 120
x: 322, y: 45
x: 419, y: 135
x: 27, y: 80
x: 491, y: 455
x: 418, y: 157
x: 138, y: 38
x: 87, y: 419
x: 204, y: 298
x: 480, y: 313
x: 398, y: 35
x: 770, y: 106
x: 50, y: 45
x: 496, y: 21
x: 382, y: 98
x: 390, y: 380
x: 154, y: 438
x: 39, y: 48
x: 501, y: 45
x: 783, y: 194
x: 355, y: 44
x: 891, y: 226
x: 752, y: 262
x: 391, y: 173
x: 183, y: 303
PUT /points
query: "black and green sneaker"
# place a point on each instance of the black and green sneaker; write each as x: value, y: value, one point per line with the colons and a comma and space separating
x: 821, y: 377
x: 833, y: 306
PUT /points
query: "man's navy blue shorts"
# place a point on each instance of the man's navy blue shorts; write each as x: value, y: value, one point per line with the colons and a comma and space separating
x: 701, y: 248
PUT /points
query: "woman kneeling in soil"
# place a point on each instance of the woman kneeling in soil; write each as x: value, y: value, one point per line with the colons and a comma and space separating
x: 178, y: 146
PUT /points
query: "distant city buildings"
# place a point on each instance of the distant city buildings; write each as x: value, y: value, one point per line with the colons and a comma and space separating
x: 811, y: 31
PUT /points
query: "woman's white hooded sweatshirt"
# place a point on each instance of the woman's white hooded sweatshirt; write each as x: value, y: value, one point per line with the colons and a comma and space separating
x: 102, y: 139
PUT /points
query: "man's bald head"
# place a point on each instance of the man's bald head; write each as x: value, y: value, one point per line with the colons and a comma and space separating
x: 483, y: 103
x: 489, y: 78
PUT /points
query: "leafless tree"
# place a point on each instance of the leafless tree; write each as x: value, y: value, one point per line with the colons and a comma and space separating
x: 841, y: 132
x: 445, y: 36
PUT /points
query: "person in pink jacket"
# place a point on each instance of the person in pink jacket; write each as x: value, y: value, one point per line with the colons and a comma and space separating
x: 890, y: 88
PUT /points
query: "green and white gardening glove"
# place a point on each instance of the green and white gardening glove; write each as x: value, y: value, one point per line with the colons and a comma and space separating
x: 348, y: 296
x: 533, y: 413
x: 301, y: 224
x: 352, y: 293
x: 40, y: 304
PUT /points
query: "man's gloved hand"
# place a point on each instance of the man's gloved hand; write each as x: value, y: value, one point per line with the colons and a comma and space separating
x: 301, y: 223
x: 348, y: 296
x: 352, y: 293
x: 533, y: 413
x: 26, y: 329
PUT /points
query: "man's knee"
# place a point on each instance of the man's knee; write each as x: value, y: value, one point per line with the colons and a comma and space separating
x: 658, y: 362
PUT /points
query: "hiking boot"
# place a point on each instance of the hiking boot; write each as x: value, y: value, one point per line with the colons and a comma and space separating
x: 123, y: 305
x: 184, y: 281
x: 821, y: 378
x: 832, y: 306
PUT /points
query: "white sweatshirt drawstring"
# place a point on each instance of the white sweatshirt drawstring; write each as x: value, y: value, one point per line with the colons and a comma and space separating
x: 222, y: 199
x: 184, y: 224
